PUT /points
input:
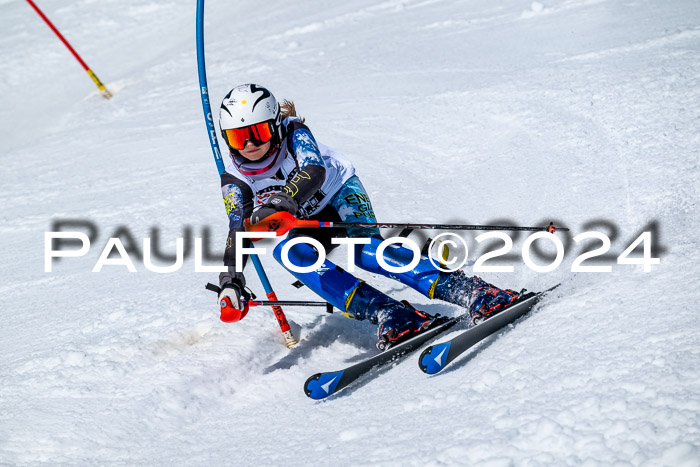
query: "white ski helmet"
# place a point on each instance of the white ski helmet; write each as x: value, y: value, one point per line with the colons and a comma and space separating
x: 252, y: 110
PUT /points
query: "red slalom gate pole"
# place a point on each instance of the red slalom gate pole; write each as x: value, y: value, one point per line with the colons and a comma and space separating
x: 105, y: 92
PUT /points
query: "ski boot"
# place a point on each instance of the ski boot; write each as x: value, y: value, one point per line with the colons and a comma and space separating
x: 482, y: 299
x: 397, y: 321
x: 488, y: 301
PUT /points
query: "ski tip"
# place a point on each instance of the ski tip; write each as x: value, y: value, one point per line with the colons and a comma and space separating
x: 322, y: 385
x: 524, y: 297
x: 434, y: 358
x: 546, y: 291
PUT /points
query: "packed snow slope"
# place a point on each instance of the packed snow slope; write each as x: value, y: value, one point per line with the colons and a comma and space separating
x: 585, y: 112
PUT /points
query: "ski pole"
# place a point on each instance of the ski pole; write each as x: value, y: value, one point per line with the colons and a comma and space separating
x: 282, y: 222
x: 105, y: 92
x: 273, y: 303
x: 550, y: 228
x: 254, y: 303
x: 289, y: 339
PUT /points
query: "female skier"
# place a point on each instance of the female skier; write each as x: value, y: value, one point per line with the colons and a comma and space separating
x: 277, y: 165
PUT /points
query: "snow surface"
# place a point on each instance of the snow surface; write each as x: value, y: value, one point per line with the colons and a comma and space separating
x: 453, y: 111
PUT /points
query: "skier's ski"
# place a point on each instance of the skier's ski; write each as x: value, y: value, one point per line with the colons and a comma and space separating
x: 434, y: 358
x: 322, y: 385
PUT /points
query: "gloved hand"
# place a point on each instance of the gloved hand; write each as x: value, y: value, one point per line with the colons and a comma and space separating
x: 275, y: 203
x: 231, y: 303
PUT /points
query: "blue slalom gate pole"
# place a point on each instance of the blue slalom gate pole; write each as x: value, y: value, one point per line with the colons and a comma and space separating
x: 203, y: 89
x: 289, y: 339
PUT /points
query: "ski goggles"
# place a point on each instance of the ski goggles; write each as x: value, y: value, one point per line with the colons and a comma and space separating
x: 258, y: 134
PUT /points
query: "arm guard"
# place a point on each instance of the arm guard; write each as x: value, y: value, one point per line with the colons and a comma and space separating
x: 311, y: 171
x: 238, y: 198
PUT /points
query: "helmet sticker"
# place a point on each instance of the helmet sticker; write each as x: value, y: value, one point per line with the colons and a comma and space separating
x: 265, y: 94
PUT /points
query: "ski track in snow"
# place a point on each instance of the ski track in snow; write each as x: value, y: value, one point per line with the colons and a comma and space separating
x: 582, y: 112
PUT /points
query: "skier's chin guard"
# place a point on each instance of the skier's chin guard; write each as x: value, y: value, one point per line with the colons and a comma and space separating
x: 229, y: 314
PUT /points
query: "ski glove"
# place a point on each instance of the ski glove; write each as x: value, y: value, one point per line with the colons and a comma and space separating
x: 277, y: 202
x: 231, y: 304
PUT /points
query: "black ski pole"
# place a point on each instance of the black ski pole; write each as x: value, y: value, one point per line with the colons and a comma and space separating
x: 252, y: 303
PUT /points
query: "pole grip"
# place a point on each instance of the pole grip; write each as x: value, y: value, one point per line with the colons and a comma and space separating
x: 280, y: 223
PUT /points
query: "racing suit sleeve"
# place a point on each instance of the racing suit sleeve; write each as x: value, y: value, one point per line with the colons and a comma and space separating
x: 238, y: 198
x: 310, y: 174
